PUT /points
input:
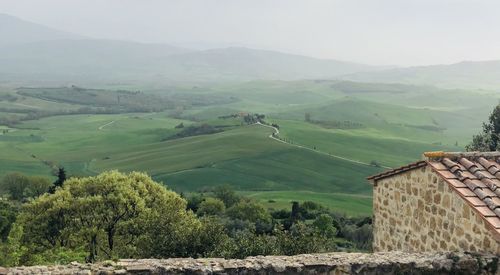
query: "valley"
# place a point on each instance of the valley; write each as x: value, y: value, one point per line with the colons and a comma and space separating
x: 332, y: 135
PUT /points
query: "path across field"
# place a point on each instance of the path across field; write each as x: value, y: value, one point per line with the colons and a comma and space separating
x: 107, y: 124
x: 277, y: 131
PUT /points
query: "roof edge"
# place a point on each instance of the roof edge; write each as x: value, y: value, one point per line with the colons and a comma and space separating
x: 399, y: 170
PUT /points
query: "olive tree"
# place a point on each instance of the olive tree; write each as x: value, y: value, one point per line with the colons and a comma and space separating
x: 211, y: 207
x: 108, y: 215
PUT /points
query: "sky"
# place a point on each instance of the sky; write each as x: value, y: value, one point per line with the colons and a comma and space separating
x: 377, y: 32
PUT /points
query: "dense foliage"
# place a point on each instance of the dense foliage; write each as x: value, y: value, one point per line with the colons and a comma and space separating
x: 20, y: 187
x: 488, y: 139
x: 194, y: 130
x: 115, y: 215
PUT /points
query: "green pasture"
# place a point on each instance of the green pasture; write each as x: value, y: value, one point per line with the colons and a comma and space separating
x: 348, y: 204
x: 393, y: 125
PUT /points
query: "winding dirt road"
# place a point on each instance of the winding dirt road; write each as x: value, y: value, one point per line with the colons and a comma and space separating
x: 107, y: 124
x: 277, y: 131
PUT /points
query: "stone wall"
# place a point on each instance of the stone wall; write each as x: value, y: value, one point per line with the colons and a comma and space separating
x: 331, y: 263
x: 418, y: 211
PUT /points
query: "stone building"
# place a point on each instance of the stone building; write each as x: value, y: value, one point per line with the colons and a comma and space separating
x: 446, y: 202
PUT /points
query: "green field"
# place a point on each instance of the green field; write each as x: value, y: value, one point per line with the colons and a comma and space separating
x: 348, y: 204
x: 244, y: 157
x: 350, y: 123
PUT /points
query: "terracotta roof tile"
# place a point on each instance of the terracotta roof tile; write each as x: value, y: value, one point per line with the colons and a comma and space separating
x: 485, y: 211
x: 496, y: 182
x: 479, y: 183
x: 479, y: 166
x: 466, y: 192
x: 438, y: 165
x: 398, y: 170
x: 467, y: 163
x: 496, y: 200
x: 447, y: 174
x: 489, y: 193
x: 475, y: 201
x: 465, y: 174
x: 485, y: 163
x: 456, y: 183
x: 472, y: 185
x: 495, y: 221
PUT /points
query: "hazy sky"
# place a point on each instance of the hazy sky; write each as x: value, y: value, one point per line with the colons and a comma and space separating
x: 402, y: 32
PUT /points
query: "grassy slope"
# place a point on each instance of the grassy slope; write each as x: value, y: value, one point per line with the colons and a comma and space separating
x: 361, y: 144
x: 244, y: 157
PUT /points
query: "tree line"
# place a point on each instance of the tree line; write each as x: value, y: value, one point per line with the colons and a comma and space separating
x: 115, y: 215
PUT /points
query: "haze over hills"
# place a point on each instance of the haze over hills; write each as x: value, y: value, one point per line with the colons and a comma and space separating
x: 17, y: 31
x: 468, y: 74
x: 32, y: 51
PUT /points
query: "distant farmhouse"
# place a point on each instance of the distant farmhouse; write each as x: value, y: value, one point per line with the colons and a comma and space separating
x: 447, y: 202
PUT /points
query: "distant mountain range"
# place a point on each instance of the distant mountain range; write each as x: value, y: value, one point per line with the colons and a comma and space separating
x: 17, y: 31
x: 32, y: 52
x: 479, y: 74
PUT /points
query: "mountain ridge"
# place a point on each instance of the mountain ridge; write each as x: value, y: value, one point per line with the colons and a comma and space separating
x: 483, y: 74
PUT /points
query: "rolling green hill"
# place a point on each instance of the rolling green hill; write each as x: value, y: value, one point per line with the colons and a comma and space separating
x: 243, y: 157
x: 322, y: 159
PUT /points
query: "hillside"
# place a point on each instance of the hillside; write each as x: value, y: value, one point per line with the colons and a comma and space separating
x: 106, y: 60
x: 243, y: 157
x: 480, y: 74
x: 327, y: 130
x: 33, y: 53
x: 17, y: 31
x: 82, y: 60
x: 247, y: 64
x: 349, y: 123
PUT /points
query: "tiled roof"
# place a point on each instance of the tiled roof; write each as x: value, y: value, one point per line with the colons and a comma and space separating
x: 399, y: 170
x: 475, y: 176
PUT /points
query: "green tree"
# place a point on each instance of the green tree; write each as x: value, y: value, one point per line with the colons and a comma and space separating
x: 211, y: 207
x: 14, y: 184
x: 248, y: 210
x: 295, y: 215
x: 361, y: 236
x: 324, y: 225
x: 8, y: 213
x: 247, y: 243
x: 61, y: 178
x: 300, y: 239
x: 193, y: 201
x: 211, y: 239
x: 488, y: 139
x: 12, y: 252
x: 107, y: 215
x: 307, y: 117
x: 20, y: 186
x: 37, y: 186
x: 226, y: 194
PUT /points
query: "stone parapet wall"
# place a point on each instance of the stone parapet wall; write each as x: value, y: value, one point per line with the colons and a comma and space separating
x: 329, y: 263
x: 418, y: 211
